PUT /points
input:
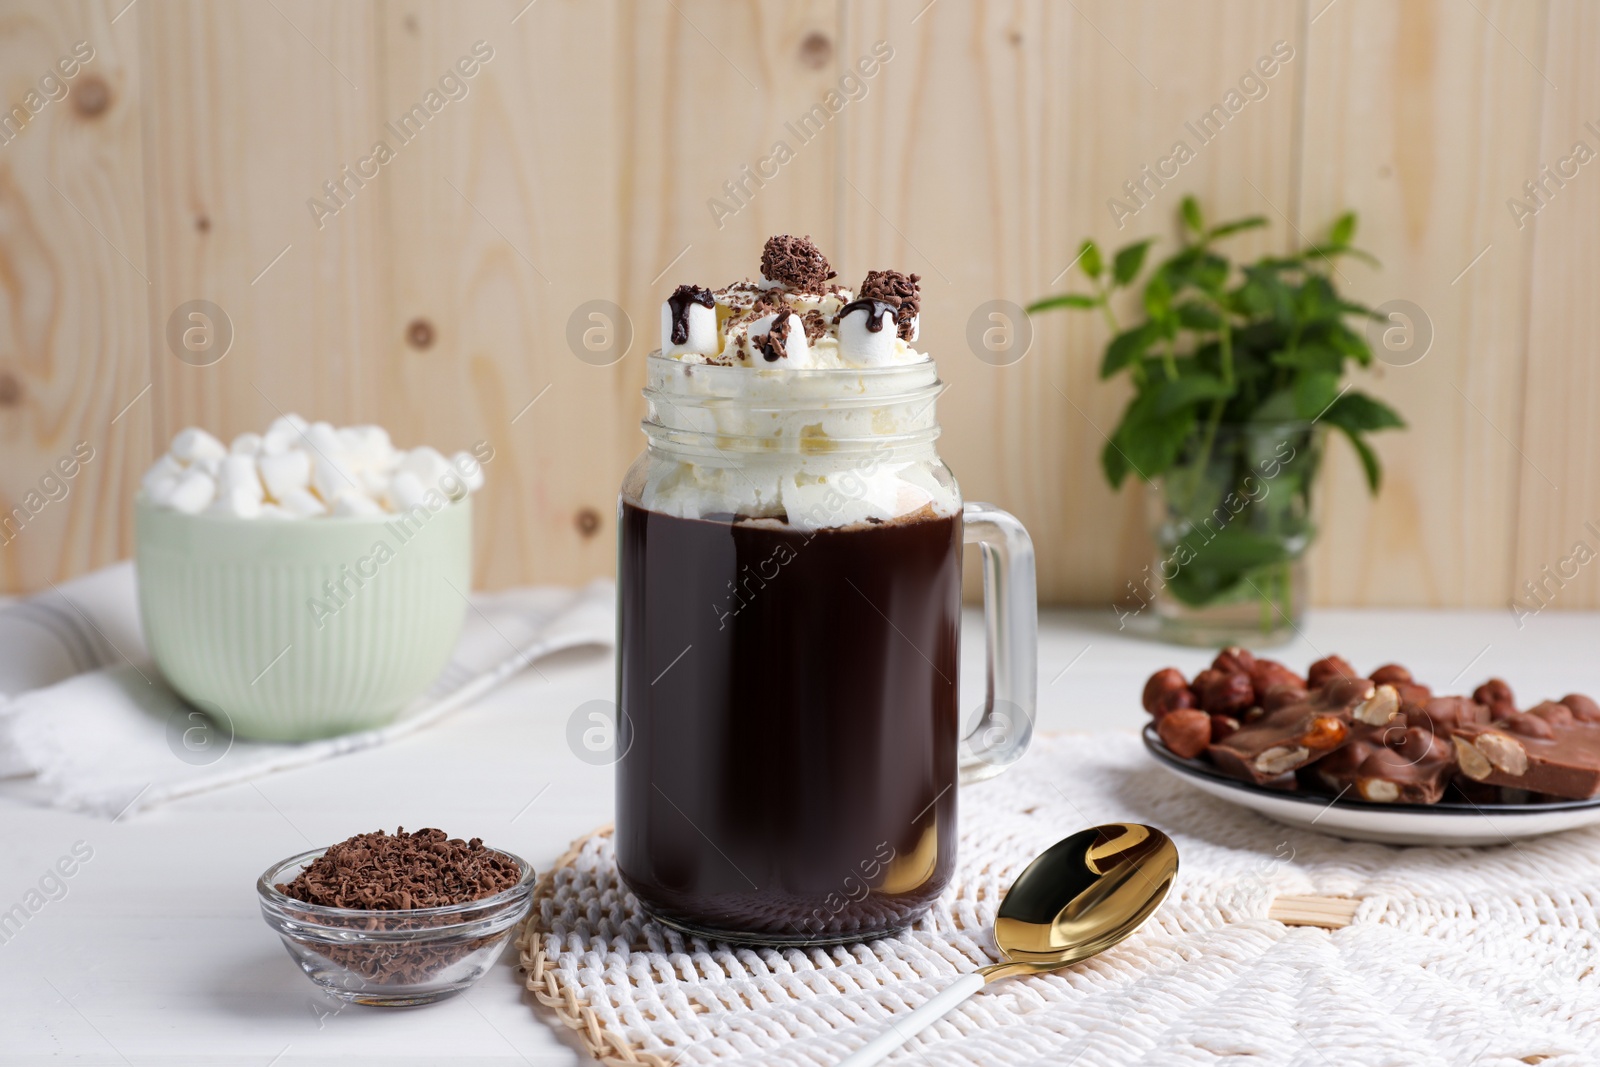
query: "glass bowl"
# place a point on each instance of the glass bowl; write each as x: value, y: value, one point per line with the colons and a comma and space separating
x: 393, y: 958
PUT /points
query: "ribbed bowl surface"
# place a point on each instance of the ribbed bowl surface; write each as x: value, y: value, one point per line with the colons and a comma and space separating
x: 302, y: 629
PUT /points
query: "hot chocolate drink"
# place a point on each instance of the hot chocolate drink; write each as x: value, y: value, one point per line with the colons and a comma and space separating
x: 789, y: 602
x: 791, y: 744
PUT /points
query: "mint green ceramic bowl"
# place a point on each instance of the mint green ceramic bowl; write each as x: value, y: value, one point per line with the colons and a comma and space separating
x: 298, y: 629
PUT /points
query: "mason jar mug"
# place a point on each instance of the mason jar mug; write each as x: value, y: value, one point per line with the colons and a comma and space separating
x: 789, y: 619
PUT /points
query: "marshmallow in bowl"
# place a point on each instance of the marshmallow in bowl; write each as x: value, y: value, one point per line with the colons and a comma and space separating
x: 302, y: 470
x: 195, y: 445
x: 192, y: 493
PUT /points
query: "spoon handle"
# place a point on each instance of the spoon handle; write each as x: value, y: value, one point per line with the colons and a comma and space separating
x: 901, y: 1031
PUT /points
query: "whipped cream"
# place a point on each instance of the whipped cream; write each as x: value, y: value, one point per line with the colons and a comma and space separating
x: 301, y: 470
x: 743, y: 430
x: 793, y: 317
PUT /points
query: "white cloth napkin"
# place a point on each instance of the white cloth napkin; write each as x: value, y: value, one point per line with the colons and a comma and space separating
x: 86, y: 718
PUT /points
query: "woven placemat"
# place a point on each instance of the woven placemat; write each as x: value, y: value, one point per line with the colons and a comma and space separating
x: 1453, y: 956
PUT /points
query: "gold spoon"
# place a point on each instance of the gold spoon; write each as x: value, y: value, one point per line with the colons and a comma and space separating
x: 1084, y: 894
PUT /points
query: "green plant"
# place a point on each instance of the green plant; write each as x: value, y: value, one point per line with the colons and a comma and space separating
x: 1224, y: 361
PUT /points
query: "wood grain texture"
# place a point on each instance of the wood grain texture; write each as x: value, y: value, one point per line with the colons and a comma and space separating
x: 1421, y: 117
x: 996, y: 141
x: 249, y: 109
x: 1558, y: 508
x: 73, y: 269
x: 610, y: 150
x: 576, y: 174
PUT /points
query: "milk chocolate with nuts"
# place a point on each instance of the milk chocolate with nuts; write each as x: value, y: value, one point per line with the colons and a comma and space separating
x: 1394, y: 764
x: 1553, y: 748
x: 1302, y: 732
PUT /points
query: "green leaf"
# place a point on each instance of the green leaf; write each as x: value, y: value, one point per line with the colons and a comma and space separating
x: 1227, y: 229
x: 1129, y: 262
x: 1089, y: 256
x: 1344, y: 228
x: 1369, y: 460
x: 1158, y: 296
x: 1264, y: 293
x: 1128, y: 346
x: 1361, y: 413
x: 1313, y: 392
x: 1316, y: 299
x: 1309, y: 357
x: 1063, y: 300
x: 1209, y: 273
x: 1187, y: 389
x: 1324, y: 254
x: 1343, y: 339
x: 1194, y: 316
x: 1192, y: 219
x: 1149, y: 441
x: 1113, y: 463
x: 1278, y: 407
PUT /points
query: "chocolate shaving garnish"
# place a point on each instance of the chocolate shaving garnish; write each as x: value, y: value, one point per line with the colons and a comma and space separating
x: 900, y: 290
x: 795, y: 263
x: 773, y: 343
x: 816, y: 324
x: 679, y: 302
x: 380, y: 872
x: 769, y: 302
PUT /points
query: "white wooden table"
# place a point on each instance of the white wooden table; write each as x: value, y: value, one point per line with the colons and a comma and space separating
x: 157, y: 953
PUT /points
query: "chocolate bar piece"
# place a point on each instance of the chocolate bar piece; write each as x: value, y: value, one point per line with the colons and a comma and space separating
x: 1390, y: 764
x: 1294, y: 735
x: 1443, y: 716
x: 1553, y: 748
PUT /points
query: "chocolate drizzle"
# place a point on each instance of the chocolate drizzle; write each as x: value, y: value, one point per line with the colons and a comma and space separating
x: 679, y: 302
x: 875, y: 309
x: 897, y: 289
x: 795, y: 263
x: 773, y: 344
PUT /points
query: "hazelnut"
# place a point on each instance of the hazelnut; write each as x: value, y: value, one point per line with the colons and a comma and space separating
x: 1342, y: 692
x: 1390, y: 673
x: 1267, y: 673
x: 1165, y: 681
x: 1173, y: 700
x: 1378, y: 709
x: 1556, y: 714
x: 1504, y: 752
x: 1325, y: 732
x: 1281, y: 758
x: 1474, y: 764
x: 1496, y: 695
x: 1185, y: 732
x: 1326, y: 669
x: 1413, y: 694
x: 1378, y: 790
x: 1528, y: 725
x: 1583, y: 708
x: 1234, y: 660
x: 1222, y: 726
x: 1218, y: 691
x: 1447, y: 714
x: 1282, y: 695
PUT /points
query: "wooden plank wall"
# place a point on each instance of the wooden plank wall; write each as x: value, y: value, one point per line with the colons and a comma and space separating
x: 579, y: 166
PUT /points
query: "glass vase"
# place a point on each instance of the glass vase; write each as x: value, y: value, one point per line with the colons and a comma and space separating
x: 1232, y: 521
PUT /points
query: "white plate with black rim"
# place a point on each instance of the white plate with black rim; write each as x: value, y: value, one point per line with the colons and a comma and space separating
x: 1446, y: 824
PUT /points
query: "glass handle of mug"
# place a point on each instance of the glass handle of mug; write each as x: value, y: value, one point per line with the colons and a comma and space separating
x: 1011, y: 635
